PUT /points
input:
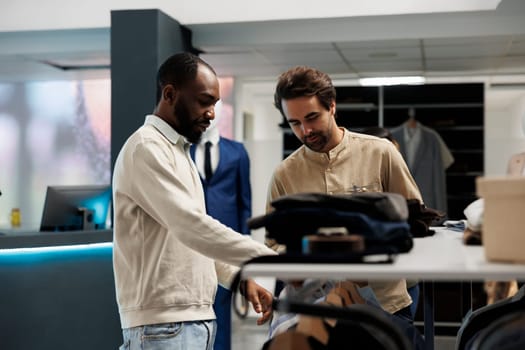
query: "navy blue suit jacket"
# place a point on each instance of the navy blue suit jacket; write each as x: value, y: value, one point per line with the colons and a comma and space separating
x: 228, y: 193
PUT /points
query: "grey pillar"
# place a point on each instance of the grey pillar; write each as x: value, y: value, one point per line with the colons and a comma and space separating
x: 140, y: 41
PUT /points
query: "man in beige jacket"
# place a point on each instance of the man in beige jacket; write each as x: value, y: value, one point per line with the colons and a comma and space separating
x: 168, y: 255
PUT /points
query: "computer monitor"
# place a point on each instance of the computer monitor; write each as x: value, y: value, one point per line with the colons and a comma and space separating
x: 74, y: 208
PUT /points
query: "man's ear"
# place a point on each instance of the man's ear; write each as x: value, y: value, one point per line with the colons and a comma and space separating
x: 332, y: 107
x: 169, y: 94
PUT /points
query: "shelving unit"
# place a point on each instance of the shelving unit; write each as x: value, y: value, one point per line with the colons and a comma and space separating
x: 456, y: 112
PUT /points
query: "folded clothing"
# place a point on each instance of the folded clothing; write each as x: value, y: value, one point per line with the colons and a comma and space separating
x: 378, y: 205
x: 289, y: 226
x: 421, y: 217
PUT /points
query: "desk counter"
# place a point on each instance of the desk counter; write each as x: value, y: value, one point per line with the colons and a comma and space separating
x: 58, y: 287
x: 10, y: 239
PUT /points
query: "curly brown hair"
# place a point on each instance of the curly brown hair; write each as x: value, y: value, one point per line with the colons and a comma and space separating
x: 303, y: 81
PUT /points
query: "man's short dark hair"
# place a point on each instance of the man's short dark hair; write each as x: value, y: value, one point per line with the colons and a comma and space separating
x: 178, y: 70
x: 302, y: 81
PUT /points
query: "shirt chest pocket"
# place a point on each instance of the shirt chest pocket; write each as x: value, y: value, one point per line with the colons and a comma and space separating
x: 357, y: 187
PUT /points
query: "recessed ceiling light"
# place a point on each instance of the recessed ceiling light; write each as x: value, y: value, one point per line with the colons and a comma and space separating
x: 381, y: 81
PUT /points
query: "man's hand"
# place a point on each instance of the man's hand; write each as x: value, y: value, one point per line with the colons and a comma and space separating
x: 261, y: 300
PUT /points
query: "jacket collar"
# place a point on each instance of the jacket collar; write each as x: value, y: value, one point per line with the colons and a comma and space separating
x: 165, y: 129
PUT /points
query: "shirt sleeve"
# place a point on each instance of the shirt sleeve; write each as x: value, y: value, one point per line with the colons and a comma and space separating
x: 275, y: 190
x: 225, y: 273
x: 168, y: 196
x: 446, y: 155
x: 398, y: 178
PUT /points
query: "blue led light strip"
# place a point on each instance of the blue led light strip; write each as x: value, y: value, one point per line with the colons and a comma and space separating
x: 53, y: 249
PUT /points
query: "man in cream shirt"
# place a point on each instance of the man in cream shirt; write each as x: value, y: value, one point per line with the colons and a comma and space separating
x: 334, y: 160
x: 168, y: 254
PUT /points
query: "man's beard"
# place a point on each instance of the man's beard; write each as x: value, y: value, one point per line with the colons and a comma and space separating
x: 319, y: 144
x: 187, y: 126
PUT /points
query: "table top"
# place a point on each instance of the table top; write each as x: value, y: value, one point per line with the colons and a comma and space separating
x: 25, y: 238
x: 441, y: 257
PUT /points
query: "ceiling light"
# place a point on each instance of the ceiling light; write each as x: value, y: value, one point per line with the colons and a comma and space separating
x: 379, y: 81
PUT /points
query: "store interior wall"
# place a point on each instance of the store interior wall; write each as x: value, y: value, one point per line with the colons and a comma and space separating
x: 253, y: 98
x: 504, y: 128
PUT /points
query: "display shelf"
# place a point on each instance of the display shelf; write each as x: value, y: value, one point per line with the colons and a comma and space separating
x: 456, y: 113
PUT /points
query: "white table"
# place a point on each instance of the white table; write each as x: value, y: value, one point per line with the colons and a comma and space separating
x: 441, y: 257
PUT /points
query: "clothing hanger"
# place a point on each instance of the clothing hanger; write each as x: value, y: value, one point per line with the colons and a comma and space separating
x: 411, y: 122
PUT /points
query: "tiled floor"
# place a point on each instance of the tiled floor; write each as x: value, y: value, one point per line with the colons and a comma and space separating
x: 246, y: 335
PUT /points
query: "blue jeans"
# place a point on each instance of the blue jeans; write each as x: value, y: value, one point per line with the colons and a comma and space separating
x: 414, y: 294
x: 196, y: 335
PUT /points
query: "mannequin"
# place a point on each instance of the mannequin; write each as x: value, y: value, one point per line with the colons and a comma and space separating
x: 497, y: 290
x: 516, y: 165
x: 228, y: 199
x: 427, y: 157
x: 411, y: 121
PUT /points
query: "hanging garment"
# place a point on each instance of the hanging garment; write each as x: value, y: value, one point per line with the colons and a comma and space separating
x: 431, y: 158
x: 228, y: 193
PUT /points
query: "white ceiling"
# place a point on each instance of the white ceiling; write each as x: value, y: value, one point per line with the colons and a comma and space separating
x: 412, y: 41
x: 67, y: 14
